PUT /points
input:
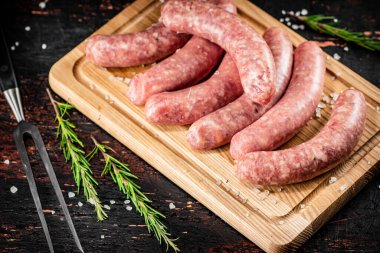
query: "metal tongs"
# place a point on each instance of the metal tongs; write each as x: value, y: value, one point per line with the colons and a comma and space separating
x: 8, y: 85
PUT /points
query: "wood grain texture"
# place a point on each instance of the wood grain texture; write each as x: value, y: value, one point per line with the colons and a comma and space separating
x: 62, y: 25
x: 274, y: 221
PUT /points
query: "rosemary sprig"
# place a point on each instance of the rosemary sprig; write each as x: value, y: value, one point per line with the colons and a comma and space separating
x: 72, y: 150
x: 321, y: 24
x: 122, y: 176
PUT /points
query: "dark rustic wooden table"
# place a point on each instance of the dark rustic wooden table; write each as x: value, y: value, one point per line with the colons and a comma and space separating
x: 61, y: 26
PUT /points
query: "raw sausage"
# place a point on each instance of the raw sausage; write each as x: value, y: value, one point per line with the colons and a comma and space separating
x: 186, y: 106
x: 293, y: 111
x: 217, y: 128
x: 125, y: 50
x: 314, y: 157
x: 249, y: 51
x: 184, y: 68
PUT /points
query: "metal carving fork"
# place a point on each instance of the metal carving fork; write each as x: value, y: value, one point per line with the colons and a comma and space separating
x: 8, y: 85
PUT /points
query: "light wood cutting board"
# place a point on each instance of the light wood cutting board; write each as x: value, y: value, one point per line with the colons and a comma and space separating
x: 276, y: 219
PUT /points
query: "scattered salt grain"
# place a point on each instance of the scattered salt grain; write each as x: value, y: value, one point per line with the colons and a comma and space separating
x: 171, y: 206
x: 91, y: 200
x: 326, y: 99
x: 343, y: 187
x: 13, y: 189
x: 302, y: 206
x: 17, y: 43
x: 266, y: 192
x: 107, y: 207
x: 42, y: 5
x: 332, y: 180
x: 13, y: 48
x: 318, y: 112
x: 302, y: 27
x: 335, y: 20
x: 279, y: 189
x: 304, y: 12
x: 274, y: 201
x: 71, y: 194
x: 6, y: 162
x: 43, y: 46
x: 295, y: 27
x: 321, y: 105
x: 112, y: 202
x: 333, y: 78
x: 27, y: 28
x: 283, y: 12
x: 281, y: 222
x: 256, y: 190
x: 53, y: 212
x: 298, y: 13
x: 334, y: 96
x: 291, y: 13
x: 345, y: 49
x: 129, y: 208
x: 80, y: 204
x: 288, y: 24
x: 378, y: 108
x: 379, y: 186
x: 102, y: 236
x: 287, y: 19
x: 369, y: 162
x: 336, y: 56
x: 127, y: 201
x: 281, y: 20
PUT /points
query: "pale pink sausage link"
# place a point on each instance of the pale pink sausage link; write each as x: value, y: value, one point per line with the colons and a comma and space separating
x: 186, y: 106
x: 249, y: 51
x: 293, y: 111
x: 125, y: 50
x: 217, y: 128
x: 314, y: 157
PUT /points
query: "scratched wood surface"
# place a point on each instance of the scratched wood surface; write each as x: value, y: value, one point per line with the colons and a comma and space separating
x: 138, y: 241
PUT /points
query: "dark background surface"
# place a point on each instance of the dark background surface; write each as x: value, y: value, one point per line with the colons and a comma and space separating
x: 62, y: 25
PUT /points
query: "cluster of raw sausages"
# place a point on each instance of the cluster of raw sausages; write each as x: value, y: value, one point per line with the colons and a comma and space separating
x: 235, y: 86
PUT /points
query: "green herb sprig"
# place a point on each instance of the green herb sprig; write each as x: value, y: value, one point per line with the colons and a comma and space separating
x: 124, y: 179
x: 323, y: 24
x: 72, y: 148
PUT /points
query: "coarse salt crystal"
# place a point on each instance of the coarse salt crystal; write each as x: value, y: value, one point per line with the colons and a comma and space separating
x: 266, y: 192
x: 53, y: 212
x: 302, y: 206
x: 43, y: 46
x: 27, y: 28
x: 334, y: 96
x: 291, y: 13
x: 283, y: 12
x: 42, y: 5
x: 7, y: 161
x: 80, y: 204
x: 335, y: 20
x: 13, y: 189
x: 378, y: 108
x: 298, y: 13
x: 343, y: 187
x: 295, y: 27
x: 287, y: 19
x: 127, y: 201
x: 274, y: 201
x: 321, y: 105
x: 129, y: 208
x: 281, y: 20
x: 71, y: 194
x: 336, y: 56
x: 326, y: 99
x: 345, y: 49
x: 281, y: 222
x: 17, y: 43
x: 304, y: 12
x: 369, y: 162
x: 318, y: 112
x: 332, y: 180
x: 107, y: 207
x: 13, y: 48
x: 112, y: 202
x: 333, y: 78
x: 279, y: 189
x: 91, y: 200
x: 302, y: 27
x: 288, y: 24
x: 102, y: 237
x: 256, y: 190
x: 171, y: 206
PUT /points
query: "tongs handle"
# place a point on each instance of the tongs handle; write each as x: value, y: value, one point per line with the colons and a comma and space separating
x: 8, y: 81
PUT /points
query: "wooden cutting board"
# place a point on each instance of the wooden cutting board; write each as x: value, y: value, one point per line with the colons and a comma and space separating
x: 276, y: 219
